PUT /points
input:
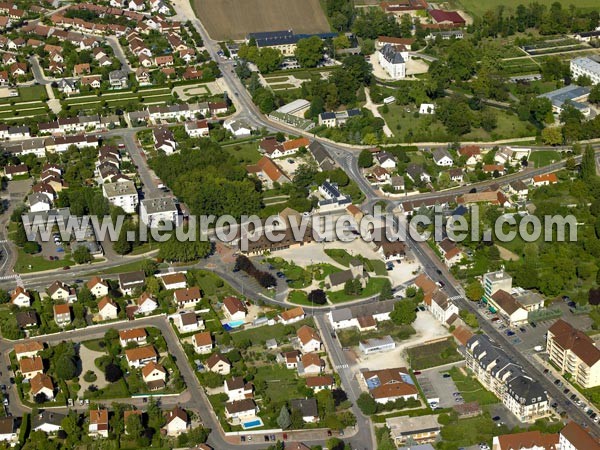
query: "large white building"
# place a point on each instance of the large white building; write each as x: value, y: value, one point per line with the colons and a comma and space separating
x: 393, y: 60
x: 123, y: 194
x: 586, y: 67
x: 155, y: 210
x: 523, y: 396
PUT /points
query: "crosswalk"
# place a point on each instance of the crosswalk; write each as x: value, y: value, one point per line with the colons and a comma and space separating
x: 341, y: 366
x: 457, y: 297
x: 9, y: 277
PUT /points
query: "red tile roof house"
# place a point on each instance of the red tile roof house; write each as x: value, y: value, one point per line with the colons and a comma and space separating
x: 62, y: 314
x: 98, y: 423
x: 140, y: 356
x: 30, y: 367
x: 447, y: 17
x: 137, y: 335
x: 203, y: 343
x: 188, y: 297
x: 234, y: 308
x: 11, y: 171
x: 174, y: 281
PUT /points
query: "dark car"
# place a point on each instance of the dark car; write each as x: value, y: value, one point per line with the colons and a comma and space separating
x: 446, y: 375
x: 572, y: 304
x: 66, y: 267
x: 522, y: 330
x: 546, y: 370
x: 566, y: 391
x: 417, y: 372
x: 280, y: 274
x: 496, y: 418
x: 510, y: 333
x: 266, y: 438
x: 533, y: 325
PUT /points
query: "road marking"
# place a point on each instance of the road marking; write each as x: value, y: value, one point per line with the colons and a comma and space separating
x: 457, y: 297
x: 341, y: 366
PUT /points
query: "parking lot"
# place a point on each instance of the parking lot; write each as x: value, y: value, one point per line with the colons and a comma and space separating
x: 437, y: 384
x: 527, y: 336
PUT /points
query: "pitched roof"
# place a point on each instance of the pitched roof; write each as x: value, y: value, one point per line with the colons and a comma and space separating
x: 506, y: 302
x: 234, y: 305
x: 145, y: 296
x: 174, y: 278
x: 311, y: 359
x: 39, y: 382
x: 187, y: 294
x: 132, y: 333
x: 296, y: 143
x: 151, y: 367
x: 177, y: 413
x: 393, y: 390
x: 139, y: 353
x: 238, y: 406
x: 307, y: 406
x: 94, y: 281
x: 549, y: 177
x: 29, y: 346
x: 62, y: 308
x: 202, y: 339
x: 578, y: 437
x: 528, y: 439
x: 105, y: 302
x: 19, y: 290
x: 470, y: 150
x: 268, y: 167
x: 319, y: 381
x: 215, y: 358
x: 99, y: 416
x: 29, y: 365
x: 293, y: 313
x: 570, y: 338
x: 462, y: 334
x: 306, y: 334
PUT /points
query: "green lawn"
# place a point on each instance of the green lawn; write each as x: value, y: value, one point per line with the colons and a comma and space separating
x: 373, y: 287
x: 321, y: 270
x: 246, y: 153
x: 470, y: 389
x: 299, y: 298
x: 283, y: 384
x: 31, y: 93
x: 126, y: 267
x: 32, y: 263
x: 258, y: 336
x: 433, y: 355
x: 343, y: 258
x: 544, y: 158
x: 406, y: 127
x: 467, y: 432
x: 479, y: 7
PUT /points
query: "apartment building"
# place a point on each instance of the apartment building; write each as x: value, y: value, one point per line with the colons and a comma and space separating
x: 574, y: 352
x: 122, y: 194
x: 494, y: 281
x: 586, y: 67
x: 523, y: 396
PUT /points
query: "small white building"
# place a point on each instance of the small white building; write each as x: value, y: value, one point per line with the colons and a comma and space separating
x: 122, y: 194
x: 156, y: 210
x: 203, y: 343
x: 393, y: 59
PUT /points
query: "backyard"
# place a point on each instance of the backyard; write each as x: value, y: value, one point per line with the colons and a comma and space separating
x: 470, y: 389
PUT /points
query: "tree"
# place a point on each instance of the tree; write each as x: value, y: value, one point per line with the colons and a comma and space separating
x: 404, y: 313
x: 588, y: 164
x: 284, y: 420
x: 112, y: 373
x: 65, y: 367
x: 386, y: 290
x: 149, y: 266
x: 552, y: 136
x: 352, y: 287
x: 134, y: 425
x: 122, y: 245
x: 474, y: 291
x: 365, y: 159
x: 595, y: 94
x: 31, y: 247
x: 309, y: 51
x: 20, y: 237
x: 82, y: 255
x: 317, y: 297
x: 367, y: 404
x: 40, y: 398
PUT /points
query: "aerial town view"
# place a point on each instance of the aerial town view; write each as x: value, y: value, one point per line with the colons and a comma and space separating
x: 300, y: 224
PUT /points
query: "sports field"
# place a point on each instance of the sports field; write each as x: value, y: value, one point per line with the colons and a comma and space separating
x: 234, y: 19
x: 478, y: 7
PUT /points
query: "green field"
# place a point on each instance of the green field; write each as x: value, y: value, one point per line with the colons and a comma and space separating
x: 433, y: 355
x: 544, y: 158
x: 470, y: 389
x: 246, y: 153
x: 479, y: 7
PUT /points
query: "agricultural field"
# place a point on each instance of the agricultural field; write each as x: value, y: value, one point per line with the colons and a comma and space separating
x: 234, y: 19
x: 479, y: 7
x: 30, y: 102
x: 119, y: 99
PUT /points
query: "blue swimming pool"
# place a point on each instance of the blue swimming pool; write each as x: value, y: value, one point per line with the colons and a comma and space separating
x: 233, y: 324
x: 252, y: 424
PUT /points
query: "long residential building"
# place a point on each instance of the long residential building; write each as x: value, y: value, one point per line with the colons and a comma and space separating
x: 523, y: 396
x: 586, y: 67
x: 574, y: 352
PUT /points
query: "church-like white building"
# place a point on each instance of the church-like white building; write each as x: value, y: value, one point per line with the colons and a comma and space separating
x: 393, y: 60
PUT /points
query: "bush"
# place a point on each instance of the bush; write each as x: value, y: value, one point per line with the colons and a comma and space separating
x: 90, y: 376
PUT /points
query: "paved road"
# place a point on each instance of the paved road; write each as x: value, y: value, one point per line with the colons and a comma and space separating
x: 439, y: 272
x: 119, y: 53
